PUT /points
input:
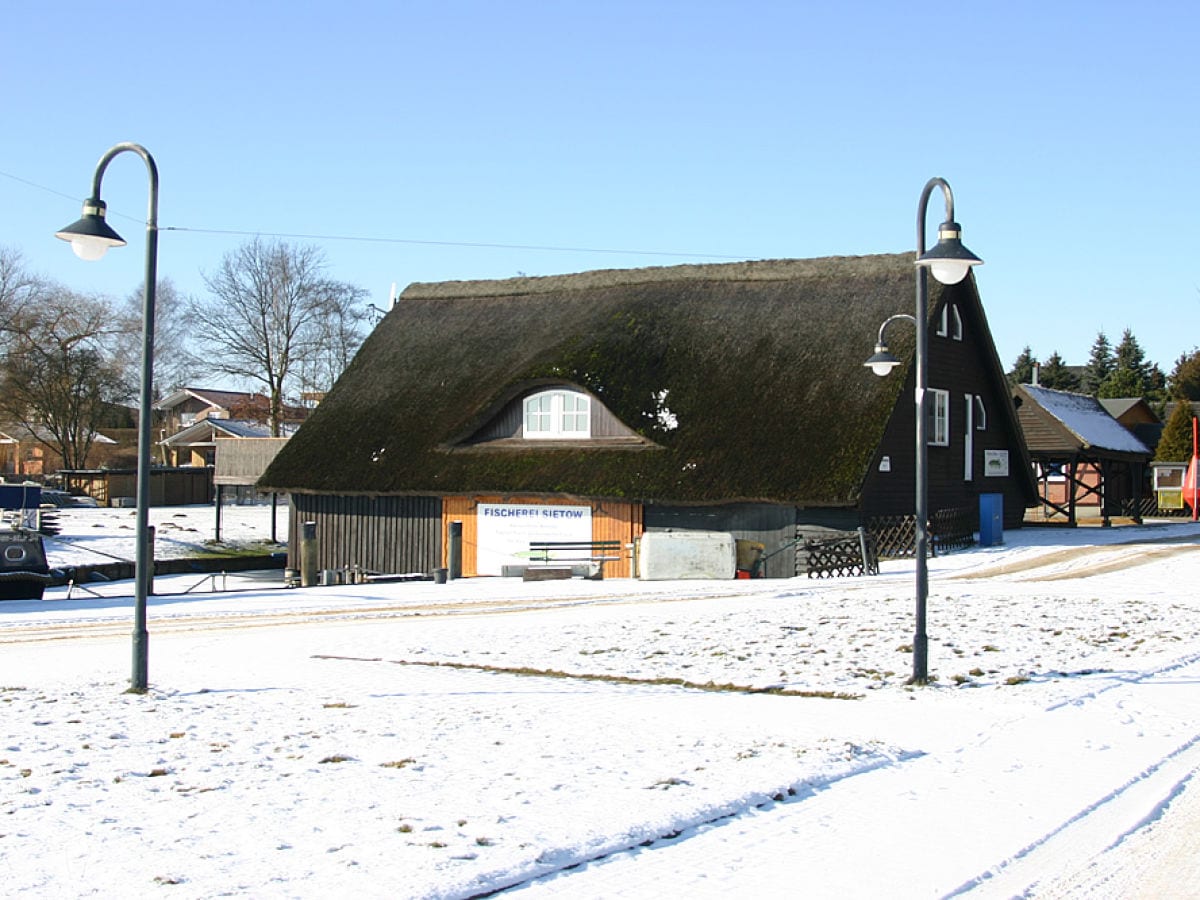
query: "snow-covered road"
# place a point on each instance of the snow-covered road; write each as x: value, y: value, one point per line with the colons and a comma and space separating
x: 617, y: 738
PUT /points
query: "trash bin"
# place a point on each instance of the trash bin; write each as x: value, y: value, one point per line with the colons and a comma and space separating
x: 991, y: 520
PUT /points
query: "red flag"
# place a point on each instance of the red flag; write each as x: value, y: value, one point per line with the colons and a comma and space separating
x: 1191, y: 490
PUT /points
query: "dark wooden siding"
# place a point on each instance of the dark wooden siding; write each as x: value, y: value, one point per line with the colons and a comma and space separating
x: 169, y: 486
x: 381, y: 534
x: 960, y: 368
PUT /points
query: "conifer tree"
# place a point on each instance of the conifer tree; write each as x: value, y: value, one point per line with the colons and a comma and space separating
x: 1175, y: 445
x: 1022, y: 370
x: 1099, y: 365
x: 1131, y: 375
x: 1055, y: 374
x: 1184, y: 382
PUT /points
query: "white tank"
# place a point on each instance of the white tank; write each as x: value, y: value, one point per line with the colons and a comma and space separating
x: 672, y: 555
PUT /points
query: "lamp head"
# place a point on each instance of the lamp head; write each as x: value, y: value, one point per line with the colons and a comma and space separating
x: 881, y: 362
x: 91, y: 236
x: 949, y: 260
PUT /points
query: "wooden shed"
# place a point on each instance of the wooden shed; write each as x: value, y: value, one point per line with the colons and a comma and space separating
x: 1087, y: 464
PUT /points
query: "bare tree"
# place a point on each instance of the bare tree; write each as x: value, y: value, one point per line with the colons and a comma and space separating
x: 339, y: 332
x: 175, y: 364
x: 273, y: 317
x: 19, y: 291
x: 60, y: 375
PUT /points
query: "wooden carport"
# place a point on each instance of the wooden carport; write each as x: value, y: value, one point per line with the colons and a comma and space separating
x: 1082, y: 456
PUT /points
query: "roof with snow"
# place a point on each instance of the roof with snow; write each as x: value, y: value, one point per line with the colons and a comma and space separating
x: 207, y: 430
x: 1062, y: 421
x: 15, y: 434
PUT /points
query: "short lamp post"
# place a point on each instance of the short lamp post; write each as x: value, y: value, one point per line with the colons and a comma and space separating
x: 91, y: 238
x: 949, y: 261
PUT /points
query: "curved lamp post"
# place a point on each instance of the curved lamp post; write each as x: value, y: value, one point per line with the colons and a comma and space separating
x: 90, y: 238
x: 949, y: 261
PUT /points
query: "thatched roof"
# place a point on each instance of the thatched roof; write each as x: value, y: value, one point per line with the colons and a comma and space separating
x: 761, y: 362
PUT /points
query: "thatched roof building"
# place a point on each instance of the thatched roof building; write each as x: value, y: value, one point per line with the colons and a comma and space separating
x: 739, y: 381
x: 707, y: 384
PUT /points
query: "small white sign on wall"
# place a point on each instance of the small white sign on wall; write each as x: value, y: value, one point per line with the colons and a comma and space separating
x: 995, y: 463
x: 505, y: 531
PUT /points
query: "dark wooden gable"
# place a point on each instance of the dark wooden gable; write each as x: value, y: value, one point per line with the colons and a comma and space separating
x: 962, y: 362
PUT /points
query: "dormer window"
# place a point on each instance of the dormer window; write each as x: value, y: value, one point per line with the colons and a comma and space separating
x: 557, y: 415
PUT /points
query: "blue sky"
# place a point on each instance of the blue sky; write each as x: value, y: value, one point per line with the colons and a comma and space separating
x: 428, y: 141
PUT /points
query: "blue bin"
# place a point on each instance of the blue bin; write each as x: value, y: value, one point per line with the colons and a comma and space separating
x: 991, y: 520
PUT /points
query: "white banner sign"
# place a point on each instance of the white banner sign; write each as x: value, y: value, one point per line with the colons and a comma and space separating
x: 506, y: 530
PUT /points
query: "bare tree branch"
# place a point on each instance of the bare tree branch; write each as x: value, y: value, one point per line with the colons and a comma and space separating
x: 270, y: 316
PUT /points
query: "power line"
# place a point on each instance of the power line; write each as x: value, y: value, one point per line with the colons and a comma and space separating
x: 429, y: 243
x: 478, y: 245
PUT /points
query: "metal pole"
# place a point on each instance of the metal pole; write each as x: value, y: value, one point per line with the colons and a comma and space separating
x: 140, y: 679
x: 308, y: 554
x: 920, y: 637
x: 93, y: 209
x: 141, y: 641
x: 454, y: 552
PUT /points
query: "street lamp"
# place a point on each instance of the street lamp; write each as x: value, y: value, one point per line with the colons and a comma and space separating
x: 949, y: 261
x: 91, y: 238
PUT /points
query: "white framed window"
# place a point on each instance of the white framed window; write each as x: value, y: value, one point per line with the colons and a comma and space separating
x: 950, y: 324
x: 558, y: 414
x: 980, y: 414
x: 937, y: 408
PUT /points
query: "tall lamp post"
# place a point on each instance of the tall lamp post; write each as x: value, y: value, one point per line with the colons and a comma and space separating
x: 91, y: 238
x: 949, y: 261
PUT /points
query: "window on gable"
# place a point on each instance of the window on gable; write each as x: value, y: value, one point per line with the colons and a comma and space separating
x: 558, y: 414
x: 980, y: 414
x: 937, y: 408
x: 950, y: 325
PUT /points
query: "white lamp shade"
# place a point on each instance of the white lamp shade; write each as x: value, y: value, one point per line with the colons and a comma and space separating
x: 950, y: 271
x: 90, y: 249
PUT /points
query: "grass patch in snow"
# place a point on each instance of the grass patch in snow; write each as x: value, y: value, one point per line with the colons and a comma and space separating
x: 777, y: 690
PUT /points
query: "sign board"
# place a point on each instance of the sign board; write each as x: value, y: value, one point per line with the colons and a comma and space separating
x: 995, y: 463
x: 505, y: 531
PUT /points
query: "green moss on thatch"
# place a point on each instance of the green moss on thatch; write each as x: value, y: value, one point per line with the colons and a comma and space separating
x: 761, y: 362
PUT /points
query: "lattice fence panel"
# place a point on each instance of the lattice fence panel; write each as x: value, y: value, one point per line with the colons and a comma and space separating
x: 953, y: 529
x: 949, y: 529
x: 842, y: 556
x: 895, y: 536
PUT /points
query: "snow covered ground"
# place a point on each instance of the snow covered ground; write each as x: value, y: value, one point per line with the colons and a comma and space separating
x: 615, y: 738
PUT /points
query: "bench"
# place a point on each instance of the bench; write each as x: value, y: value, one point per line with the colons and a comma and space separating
x: 551, y: 555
